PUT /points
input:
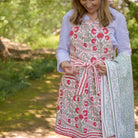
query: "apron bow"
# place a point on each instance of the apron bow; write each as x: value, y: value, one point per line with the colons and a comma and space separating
x: 84, y: 77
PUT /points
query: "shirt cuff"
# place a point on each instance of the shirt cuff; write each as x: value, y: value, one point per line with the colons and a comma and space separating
x: 59, y: 68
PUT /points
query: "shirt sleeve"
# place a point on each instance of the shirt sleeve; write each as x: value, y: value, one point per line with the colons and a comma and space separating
x: 122, y: 35
x: 64, y: 43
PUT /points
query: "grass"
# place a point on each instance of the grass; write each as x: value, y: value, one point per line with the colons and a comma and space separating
x: 30, y: 109
x: 33, y: 108
x: 17, y: 75
x: 50, y: 42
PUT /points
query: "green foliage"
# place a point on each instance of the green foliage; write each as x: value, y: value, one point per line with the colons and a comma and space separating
x: 48, y: 42
x: 136, y: 97
x: 133, y: 35
x: 135, y: 66
x: 16, y: 75
x: 132, y: 10
x: 35, y: 70
x: 129, y: 9
x: 133, y: 29
x: 32, y: 20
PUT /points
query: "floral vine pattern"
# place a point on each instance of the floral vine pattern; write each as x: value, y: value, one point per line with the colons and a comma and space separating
x: 80, y: 115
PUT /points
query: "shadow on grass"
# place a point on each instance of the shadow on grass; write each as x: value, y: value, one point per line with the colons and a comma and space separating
x: 31, y: 109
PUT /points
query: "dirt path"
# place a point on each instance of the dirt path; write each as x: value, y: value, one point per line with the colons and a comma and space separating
x: 32, y: 112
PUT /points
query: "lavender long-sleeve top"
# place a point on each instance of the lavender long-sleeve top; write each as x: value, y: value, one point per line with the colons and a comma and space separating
x: 118, y: 33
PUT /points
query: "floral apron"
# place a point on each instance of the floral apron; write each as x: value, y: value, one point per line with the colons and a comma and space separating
x: 79, y: 98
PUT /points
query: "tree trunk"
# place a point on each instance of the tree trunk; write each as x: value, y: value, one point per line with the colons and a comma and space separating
x: 14, y: 50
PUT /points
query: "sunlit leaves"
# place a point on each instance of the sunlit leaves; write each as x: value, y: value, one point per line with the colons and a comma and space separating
x: 26, y: 20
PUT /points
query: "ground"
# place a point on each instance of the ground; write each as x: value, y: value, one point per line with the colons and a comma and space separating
x: 31, y: 112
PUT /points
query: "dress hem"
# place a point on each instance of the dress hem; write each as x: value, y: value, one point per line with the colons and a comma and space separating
x: 74, y: 134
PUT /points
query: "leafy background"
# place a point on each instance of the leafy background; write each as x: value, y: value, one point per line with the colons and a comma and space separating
x: 35, y: 22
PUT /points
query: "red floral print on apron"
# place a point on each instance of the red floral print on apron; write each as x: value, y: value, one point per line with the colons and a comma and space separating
x: 79, y: 98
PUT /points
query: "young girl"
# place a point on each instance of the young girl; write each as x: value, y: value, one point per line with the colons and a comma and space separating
x: 87, y: 106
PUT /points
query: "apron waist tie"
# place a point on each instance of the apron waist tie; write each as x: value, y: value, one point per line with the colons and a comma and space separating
x: 84, y: 77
